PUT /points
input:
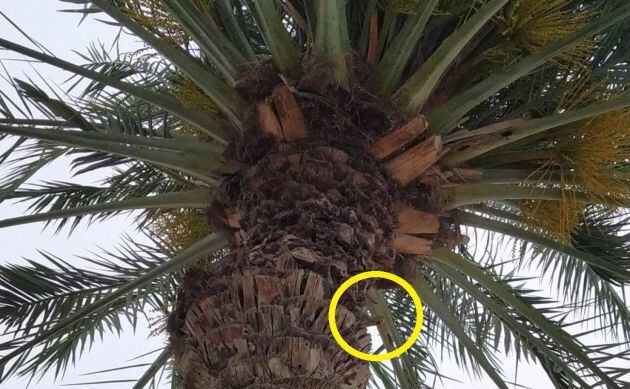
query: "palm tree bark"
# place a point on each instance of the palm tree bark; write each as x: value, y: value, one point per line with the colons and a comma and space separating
x: 303, y: 218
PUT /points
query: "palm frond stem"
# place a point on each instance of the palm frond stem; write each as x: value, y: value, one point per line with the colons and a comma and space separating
x: 190, y: 199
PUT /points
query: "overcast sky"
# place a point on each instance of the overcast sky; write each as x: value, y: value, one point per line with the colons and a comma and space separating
x: 61, y: 34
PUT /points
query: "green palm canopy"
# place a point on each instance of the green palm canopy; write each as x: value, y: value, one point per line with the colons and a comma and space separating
x: 273, y: 148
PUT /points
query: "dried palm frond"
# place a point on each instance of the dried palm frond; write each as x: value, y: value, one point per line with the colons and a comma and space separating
x: 191, y: 95
x: 581, y: 89
x: 179, y: 229
x: 402, y: 6
x: 555, y: 219
x: 593, y: 154
x: 590, y: 159
x: 152, y: 15
x: 529, y: 25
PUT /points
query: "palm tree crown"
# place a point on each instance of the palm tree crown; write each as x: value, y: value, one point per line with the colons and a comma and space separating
x: 439, y: 133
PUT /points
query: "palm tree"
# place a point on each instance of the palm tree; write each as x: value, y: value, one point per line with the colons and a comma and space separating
x: 275, y: 148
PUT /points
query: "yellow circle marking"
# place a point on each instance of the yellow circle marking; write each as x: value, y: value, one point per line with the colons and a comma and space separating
x: 364, y: 276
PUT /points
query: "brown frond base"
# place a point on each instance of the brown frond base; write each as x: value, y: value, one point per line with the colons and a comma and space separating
x: 317, y: 200
x: 398, y: 138
x: 260, y: 329
x: 306, y: 106
x: 303, y: 219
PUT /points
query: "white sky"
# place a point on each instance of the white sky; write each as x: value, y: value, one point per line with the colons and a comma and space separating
x: 61, y: 34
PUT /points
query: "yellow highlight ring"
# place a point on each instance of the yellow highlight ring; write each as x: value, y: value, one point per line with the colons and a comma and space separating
x: 375, y: 357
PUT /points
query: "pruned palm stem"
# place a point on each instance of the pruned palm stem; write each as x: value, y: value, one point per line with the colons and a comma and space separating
x: 305, y: 217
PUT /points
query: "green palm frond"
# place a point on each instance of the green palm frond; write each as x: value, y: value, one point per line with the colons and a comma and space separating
x: 135, y: 180
x: 202, y: 119
x: 33, y: 157
x: 223, y: 96
x: 177, y: 200
x: 278, y: 41
x: 35, y: 297
x: 578, y: 271
x: 523, y: 336
x: 458, y: 106
x: 150, y: 374
x: 524, y: 308
x: 188, y: 157
x: 434, y: 302
x: 416, y: 91
x: 59, y: 335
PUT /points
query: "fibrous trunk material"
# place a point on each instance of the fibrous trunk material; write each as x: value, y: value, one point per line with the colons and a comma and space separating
x: 304, y: 218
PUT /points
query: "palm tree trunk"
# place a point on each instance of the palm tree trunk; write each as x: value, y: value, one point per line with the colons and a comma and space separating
x: 304, y: 218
